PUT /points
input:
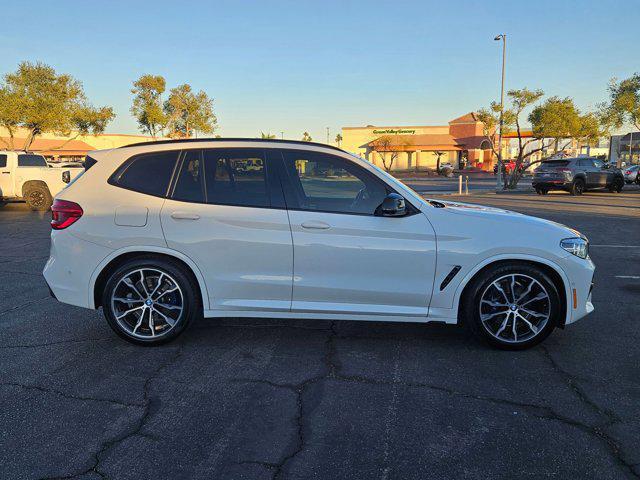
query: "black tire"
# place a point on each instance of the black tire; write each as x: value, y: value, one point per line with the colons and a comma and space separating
x: 188, y: 287
x: 542, y: 191
x: 617, y: 185
x: 470, y: 306
x: 38, y: 198
x: 577, y: 187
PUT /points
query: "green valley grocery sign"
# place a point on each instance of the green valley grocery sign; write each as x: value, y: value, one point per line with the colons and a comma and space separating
x: 390, y: 131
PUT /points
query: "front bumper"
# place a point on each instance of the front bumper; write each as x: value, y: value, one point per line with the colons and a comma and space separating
x: 580, y: 272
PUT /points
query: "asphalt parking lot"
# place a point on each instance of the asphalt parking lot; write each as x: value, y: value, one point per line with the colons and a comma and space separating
x: 261, y: 399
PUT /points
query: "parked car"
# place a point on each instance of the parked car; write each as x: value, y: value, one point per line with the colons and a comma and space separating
x: 27, y: 176
x: 508, y: 166
x: 160, y: 233
x: 576, y: 175
x: 631, y: 173
x: 446, y: 169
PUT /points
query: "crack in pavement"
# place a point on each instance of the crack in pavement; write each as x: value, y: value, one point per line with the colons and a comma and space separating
x: 542, y: 412
x: 69, y: 396
x: 579, y: 392
x: 130, y: 431
x: 52, y: 344
x: 22, y: 305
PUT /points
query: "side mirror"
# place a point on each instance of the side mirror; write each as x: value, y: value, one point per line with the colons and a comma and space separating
x: 392, y: 206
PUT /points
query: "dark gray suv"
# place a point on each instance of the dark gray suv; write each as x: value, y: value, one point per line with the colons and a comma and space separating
x: 576, y: 175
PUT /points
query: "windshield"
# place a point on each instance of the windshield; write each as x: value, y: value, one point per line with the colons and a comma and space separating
x: 554, y: 164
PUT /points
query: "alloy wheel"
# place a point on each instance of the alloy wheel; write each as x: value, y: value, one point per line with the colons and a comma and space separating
x: 36, y: 198
x: 515, y: 308
x: 147, y: 303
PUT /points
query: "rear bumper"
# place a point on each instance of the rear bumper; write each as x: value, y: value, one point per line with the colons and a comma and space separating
x: 70, y: 266
x: 551, y: 183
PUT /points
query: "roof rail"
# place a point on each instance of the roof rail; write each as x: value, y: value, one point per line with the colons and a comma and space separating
x: 256, y: 140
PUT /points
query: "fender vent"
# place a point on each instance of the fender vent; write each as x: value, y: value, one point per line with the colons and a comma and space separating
x: 454, y: 271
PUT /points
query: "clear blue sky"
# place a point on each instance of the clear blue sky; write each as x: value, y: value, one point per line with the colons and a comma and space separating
x: 300, y: 65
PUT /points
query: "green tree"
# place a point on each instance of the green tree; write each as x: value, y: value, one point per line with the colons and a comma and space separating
x: 518, y: 100
x: 553, y: 121
x: 306, y: 137
x: 147, y: 104
x: 267, y: 136
x: 338, y: 139
x: 38, y: 99
x: 623, y: 106
x: 189, y: 112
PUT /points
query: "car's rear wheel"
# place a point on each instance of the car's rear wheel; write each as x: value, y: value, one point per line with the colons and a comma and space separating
x: 38, y: 198
x: 150, y: 301
x: 617, y: 185
x: 577, y: 188
x: 512, y: 306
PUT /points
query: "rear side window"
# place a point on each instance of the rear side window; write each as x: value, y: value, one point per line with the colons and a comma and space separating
x: 147, y: 173
x: 236, y: 177
x: 27, y: 160
x: 555, y: 164
x: 3, y: 160
x: 89, y: 162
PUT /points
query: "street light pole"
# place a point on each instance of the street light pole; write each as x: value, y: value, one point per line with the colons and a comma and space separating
x: 502, y: 37
x: 327, y: 135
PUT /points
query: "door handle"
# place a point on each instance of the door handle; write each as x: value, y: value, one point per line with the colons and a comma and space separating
x: 6, y: 173
x: 184, y: 216
x: 312, y: 225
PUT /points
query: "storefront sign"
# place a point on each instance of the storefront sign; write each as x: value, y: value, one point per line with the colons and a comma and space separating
x: 390, y: 131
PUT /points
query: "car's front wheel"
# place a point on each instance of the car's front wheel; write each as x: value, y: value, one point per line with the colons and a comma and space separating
x: 617, y: 185
x: 150, y: 300
x: 512, y: 306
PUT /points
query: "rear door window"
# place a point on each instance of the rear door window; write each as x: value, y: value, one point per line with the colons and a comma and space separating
x: 3, y: 160
x: 29, y: 160
x: 236, y: 177
x: 148, y: 173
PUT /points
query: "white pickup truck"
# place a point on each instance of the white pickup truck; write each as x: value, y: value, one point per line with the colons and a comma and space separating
x: 27, y: 176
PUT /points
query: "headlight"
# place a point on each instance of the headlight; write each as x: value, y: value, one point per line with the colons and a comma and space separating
x: 576, y: 246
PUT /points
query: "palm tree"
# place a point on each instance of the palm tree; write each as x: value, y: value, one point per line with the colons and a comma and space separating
x: 306, y: 137
x: 267, y: 136
x: 338, y: 139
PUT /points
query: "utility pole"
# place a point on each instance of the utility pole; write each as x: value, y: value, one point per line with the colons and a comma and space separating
x: 328, y: 136
x: 282, y: 135
x: 502, y: 37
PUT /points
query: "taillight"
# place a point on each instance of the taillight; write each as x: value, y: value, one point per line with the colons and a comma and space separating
x: 64, y: 213
x: 628, y: 172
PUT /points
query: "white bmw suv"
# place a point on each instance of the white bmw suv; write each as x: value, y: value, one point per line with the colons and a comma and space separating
x: 160, y: 233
